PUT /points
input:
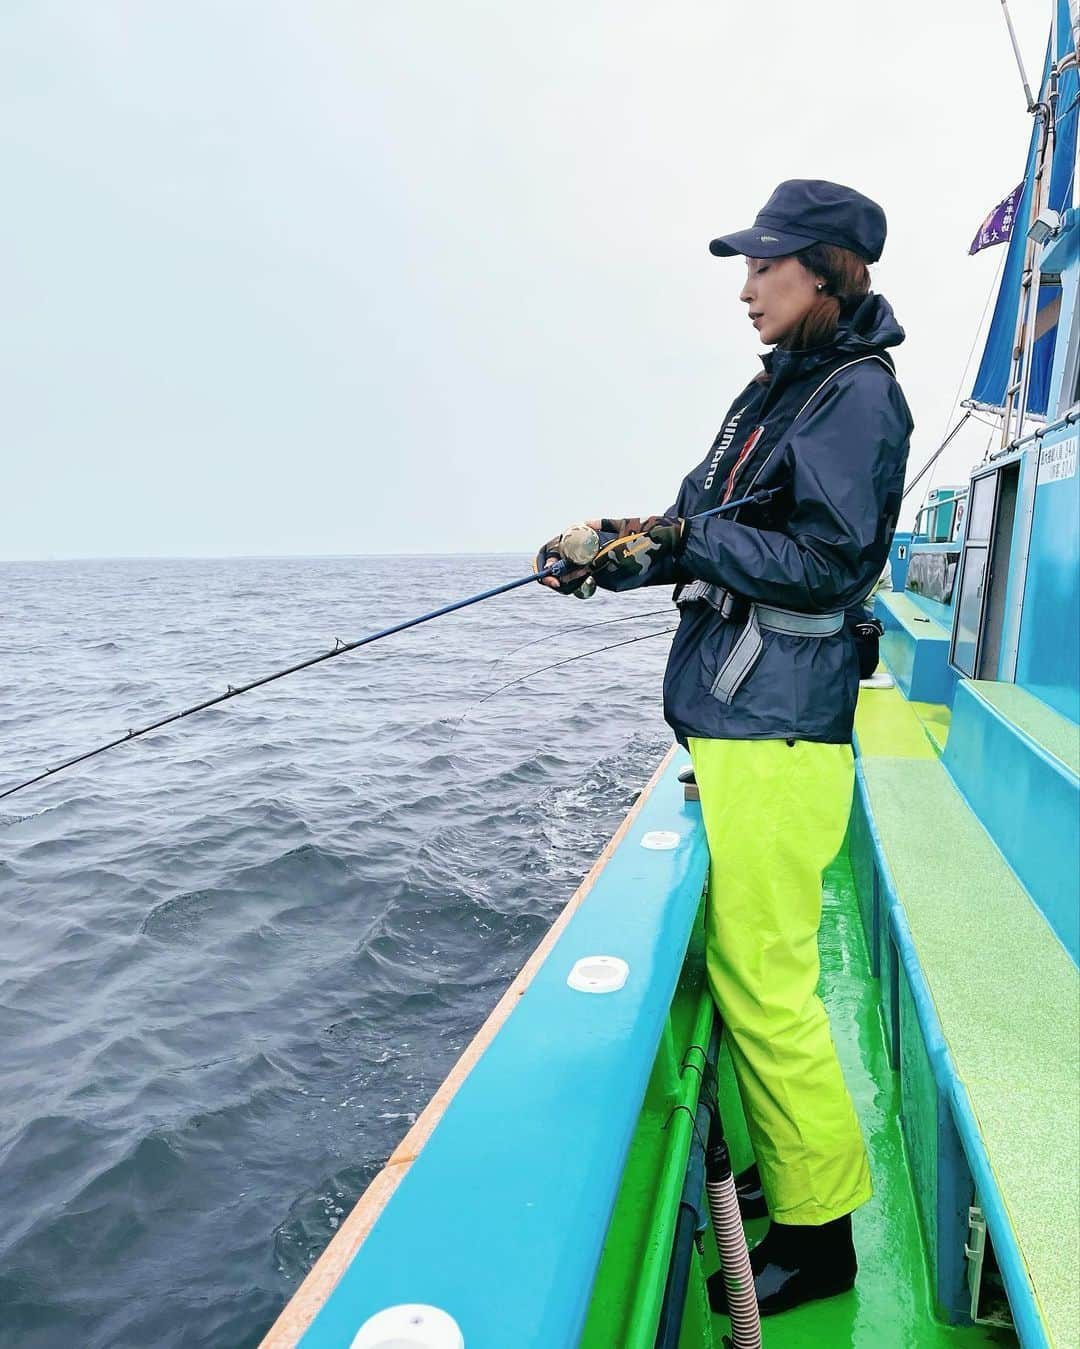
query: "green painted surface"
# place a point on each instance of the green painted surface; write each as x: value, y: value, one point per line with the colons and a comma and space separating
x: 1059, y: 736
x: 625, y: 1307
x: 696, y: 1331
x: 936, y: 719
x: 891, y: 1304
x: 886, y: 724
x: 1008, y: 998
x: 911, y: 616
x: 919, y: 1107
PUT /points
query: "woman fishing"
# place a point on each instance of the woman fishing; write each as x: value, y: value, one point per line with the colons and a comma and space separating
x: 761, y: 686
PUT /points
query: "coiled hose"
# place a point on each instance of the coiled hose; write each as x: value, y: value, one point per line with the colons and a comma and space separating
x: 731, y: 1243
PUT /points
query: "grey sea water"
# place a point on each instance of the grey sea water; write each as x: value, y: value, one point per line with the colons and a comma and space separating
x: 238, y: 956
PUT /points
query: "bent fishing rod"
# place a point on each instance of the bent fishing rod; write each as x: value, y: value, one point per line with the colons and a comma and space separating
x: 556, y: 569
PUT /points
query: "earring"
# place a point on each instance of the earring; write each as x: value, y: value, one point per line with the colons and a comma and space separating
x: 820, y: 286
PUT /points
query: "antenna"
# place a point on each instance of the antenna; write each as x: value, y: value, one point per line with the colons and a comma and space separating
x: 1016, y: 392
x: 1016, y: 53
x: 1040, y: 200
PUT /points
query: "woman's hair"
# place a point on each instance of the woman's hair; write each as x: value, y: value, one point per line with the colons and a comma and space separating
x: 846, y: 281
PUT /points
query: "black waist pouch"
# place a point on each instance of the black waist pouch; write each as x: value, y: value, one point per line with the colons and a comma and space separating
x: 867, y: 634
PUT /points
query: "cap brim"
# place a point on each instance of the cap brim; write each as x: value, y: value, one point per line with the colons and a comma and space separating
x: 759, y: 242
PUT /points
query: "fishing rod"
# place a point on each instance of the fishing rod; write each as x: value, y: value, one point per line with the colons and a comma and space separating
x: 556, y: 569
x: 339, y: 649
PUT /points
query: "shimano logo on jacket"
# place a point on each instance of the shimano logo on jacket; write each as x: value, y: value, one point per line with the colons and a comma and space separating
x: 727, y: 435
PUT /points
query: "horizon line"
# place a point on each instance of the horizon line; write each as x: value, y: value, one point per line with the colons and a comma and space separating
x: 242, y: 557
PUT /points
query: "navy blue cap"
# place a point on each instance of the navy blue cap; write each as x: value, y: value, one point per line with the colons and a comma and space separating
x: 805, y: 211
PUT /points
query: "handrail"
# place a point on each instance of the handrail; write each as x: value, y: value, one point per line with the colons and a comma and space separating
x: 960, y: 495
x: 1073, y: 415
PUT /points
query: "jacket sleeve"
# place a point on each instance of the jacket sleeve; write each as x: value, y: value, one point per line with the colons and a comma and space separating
x: 847, y: 461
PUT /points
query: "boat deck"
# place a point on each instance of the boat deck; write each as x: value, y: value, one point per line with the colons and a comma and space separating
x: 1002, y: 985
x: 891, y: 1303
x: 592, y: 1215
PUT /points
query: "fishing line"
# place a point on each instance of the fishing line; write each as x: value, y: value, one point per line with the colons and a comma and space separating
x: 652, y: 613
x: 417, y: 852
x: 568, y: 660
x: 564, y: 632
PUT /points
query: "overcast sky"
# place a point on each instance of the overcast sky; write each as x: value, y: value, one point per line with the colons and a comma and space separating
x: 424, y: 276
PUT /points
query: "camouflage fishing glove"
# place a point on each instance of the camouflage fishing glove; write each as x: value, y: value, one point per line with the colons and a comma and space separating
x: 570, y: 581
x: 633, y: 551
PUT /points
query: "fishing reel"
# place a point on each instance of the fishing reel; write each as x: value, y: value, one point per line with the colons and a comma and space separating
x: 579, y: 544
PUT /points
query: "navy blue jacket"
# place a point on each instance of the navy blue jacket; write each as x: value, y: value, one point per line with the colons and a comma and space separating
x: 830, y: 429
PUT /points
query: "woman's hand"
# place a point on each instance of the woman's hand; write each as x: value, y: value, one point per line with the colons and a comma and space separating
x: 566, y: 583
x: 630, y: 548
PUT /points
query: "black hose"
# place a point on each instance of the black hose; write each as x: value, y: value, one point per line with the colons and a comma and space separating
x: 693, y: 1216
x: 692, y: 1219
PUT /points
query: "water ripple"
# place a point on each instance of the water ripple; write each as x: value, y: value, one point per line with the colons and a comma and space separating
x: 241, y: 954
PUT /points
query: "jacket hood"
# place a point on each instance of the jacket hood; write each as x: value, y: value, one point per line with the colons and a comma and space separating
x: 870, y: 326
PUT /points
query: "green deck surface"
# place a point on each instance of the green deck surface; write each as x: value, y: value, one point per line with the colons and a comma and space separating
x: 1008, y: 999
x: 891, y: 1305
x: 889, y: 725
x: 1055, y: 733
x: 936, y: 719
x: 886, y: 725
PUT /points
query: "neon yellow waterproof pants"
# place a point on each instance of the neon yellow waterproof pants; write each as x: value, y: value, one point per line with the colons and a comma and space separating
x: 775, y: 816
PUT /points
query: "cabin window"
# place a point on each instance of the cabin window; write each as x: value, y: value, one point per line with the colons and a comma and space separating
x: 969, y: 609
x: 979, y: 618
x: 933, y: 574
x: 1070, y: 382
x: 981, y: 514
x: 997, y: 582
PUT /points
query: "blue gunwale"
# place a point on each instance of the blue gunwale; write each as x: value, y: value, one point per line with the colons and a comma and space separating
x: 553, y: 1100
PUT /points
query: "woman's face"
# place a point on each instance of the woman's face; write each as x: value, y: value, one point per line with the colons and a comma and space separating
x: 779, y: 292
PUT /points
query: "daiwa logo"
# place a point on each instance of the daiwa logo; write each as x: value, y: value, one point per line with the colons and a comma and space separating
x: 768, y: 239
x: 726, y: 437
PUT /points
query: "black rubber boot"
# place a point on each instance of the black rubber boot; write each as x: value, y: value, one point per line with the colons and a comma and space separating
x: 793, y: 1265
x: 750, y: 1194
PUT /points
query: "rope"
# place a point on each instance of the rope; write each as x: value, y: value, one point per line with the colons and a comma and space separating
x: 946, y: 436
